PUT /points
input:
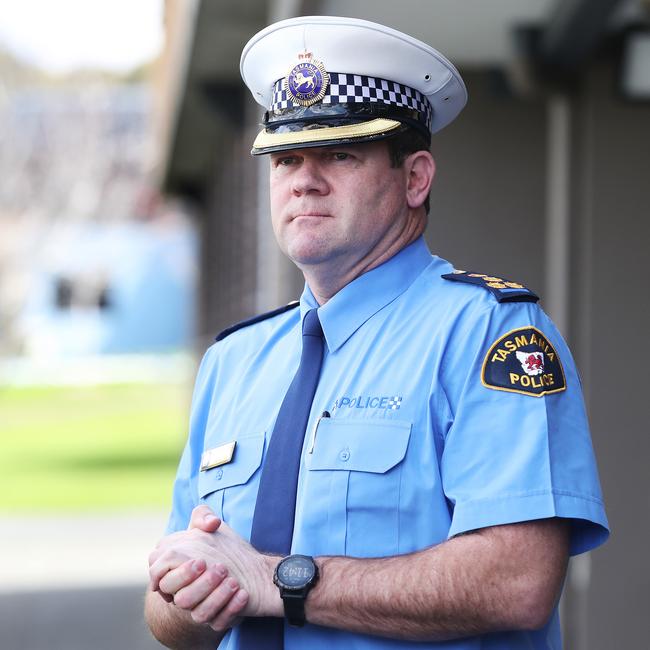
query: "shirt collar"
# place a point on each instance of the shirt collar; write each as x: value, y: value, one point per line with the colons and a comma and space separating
x: 358, y: 301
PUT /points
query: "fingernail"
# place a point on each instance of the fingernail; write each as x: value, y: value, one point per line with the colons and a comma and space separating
x: 197, y: 566
x: 209, y: 518
x: 220, y: 569
x: 241, y: 596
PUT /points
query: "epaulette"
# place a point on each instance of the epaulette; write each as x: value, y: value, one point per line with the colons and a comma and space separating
x: 256, y: 319
x: 502, y: 290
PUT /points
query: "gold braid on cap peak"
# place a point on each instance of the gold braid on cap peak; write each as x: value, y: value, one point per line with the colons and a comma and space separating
x: 361, y: 130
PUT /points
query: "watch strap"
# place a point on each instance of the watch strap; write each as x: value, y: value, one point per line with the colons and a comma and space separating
x: 294, y: 607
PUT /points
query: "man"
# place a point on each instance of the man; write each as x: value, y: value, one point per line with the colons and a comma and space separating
x: 407, y: 449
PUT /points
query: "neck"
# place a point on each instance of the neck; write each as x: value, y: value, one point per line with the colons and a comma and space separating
x: 326, y: 279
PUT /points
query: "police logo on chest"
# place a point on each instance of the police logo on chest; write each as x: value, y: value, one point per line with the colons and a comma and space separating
x: 384, y: 403
x: 523, y: 361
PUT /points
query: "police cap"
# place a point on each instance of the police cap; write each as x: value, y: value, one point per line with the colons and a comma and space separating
x: 327, y: 80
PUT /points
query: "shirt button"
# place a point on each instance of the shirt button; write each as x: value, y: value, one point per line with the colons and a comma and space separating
x: 219, y: 474
x: 345, y: 454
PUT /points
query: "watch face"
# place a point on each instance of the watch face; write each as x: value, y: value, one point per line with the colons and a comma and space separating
x: 296, y: 571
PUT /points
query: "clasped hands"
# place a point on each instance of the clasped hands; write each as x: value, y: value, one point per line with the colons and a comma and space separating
x: 212, y: 573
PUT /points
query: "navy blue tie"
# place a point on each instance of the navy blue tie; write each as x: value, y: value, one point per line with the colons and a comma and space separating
x: 275, y: 508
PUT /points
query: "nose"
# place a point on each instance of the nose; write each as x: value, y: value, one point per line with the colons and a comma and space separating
x: 308, y: 178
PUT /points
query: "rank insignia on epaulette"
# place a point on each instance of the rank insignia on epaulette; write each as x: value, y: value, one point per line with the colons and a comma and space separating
x: 523, y: 361
x: 502, y: 290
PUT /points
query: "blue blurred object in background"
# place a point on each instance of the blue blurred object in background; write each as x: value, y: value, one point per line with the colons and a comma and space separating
x: 112, y: 289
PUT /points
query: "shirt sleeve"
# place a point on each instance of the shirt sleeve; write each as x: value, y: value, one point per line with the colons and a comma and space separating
x: 184, y: 498
x: 518, y: 448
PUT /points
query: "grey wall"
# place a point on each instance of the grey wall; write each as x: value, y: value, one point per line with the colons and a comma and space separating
x: 611, y: 321
x: 488, y: 202
x: 229, y: 239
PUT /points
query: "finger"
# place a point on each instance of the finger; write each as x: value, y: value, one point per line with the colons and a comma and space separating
x: 163, y: 544
x: 231, y: 612
x: 183, y: 575
x: 215, y: 602
x: 154, y: 555
x: 166, y: 546
x: 227, y: 531
x: 193, y: 593
x: 167, y: 562
x: 168, y: 598
x: 203, y: 518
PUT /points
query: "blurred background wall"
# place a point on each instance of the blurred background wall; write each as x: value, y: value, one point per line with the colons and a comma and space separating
x: 134, y: 226
x: 98, y: 276
x: 542, y: 179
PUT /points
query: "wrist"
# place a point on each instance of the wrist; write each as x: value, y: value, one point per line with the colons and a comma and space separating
x: 271, y: 602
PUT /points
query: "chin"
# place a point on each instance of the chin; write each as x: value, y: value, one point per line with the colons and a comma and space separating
x: 308, y: 254
x: 308, y: 248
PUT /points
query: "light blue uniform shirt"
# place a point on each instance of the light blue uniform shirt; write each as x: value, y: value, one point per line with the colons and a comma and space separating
x: 417, y: 448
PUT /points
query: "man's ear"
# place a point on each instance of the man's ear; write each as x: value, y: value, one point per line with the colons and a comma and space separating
x: 421, y: 169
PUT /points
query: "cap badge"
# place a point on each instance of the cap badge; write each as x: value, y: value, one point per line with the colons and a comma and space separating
x: 307, y: 81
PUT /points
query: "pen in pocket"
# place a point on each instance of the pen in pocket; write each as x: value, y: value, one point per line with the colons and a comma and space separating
x: 324, y: 414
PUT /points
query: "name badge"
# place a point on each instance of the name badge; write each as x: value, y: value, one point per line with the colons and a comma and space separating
x: 218, y: 456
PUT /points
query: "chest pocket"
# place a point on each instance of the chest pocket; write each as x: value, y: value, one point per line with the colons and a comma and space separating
x: 355, y: 475
x: 229, y: 489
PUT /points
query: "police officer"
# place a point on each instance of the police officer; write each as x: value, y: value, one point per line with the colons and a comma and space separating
x: 406, y: 448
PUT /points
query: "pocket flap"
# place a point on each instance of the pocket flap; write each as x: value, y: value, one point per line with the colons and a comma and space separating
x: 367, y: 446
x: 246, y: 459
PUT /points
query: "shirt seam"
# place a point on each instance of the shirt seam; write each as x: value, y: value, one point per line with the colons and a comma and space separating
x: 533, y: 493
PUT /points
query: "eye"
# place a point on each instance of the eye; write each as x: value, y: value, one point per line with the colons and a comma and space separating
x: 284, y: 161
x: 340, y: 155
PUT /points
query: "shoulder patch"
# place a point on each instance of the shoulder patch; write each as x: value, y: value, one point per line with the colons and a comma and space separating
x: 256, y: 319
x: 502, y: 290
x: 523, y: 361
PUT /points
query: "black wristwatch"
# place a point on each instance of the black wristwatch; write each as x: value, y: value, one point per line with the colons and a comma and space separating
x: 295, y: 575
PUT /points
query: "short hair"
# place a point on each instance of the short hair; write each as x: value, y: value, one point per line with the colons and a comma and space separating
x: 402, y: 145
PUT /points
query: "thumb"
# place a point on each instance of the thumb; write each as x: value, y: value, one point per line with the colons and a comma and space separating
x: 204, y: 519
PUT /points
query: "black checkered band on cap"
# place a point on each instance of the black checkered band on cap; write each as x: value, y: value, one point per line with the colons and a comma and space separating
x: 359, y: 89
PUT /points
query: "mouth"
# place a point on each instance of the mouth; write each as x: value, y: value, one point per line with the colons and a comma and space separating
x: 310, y: 215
